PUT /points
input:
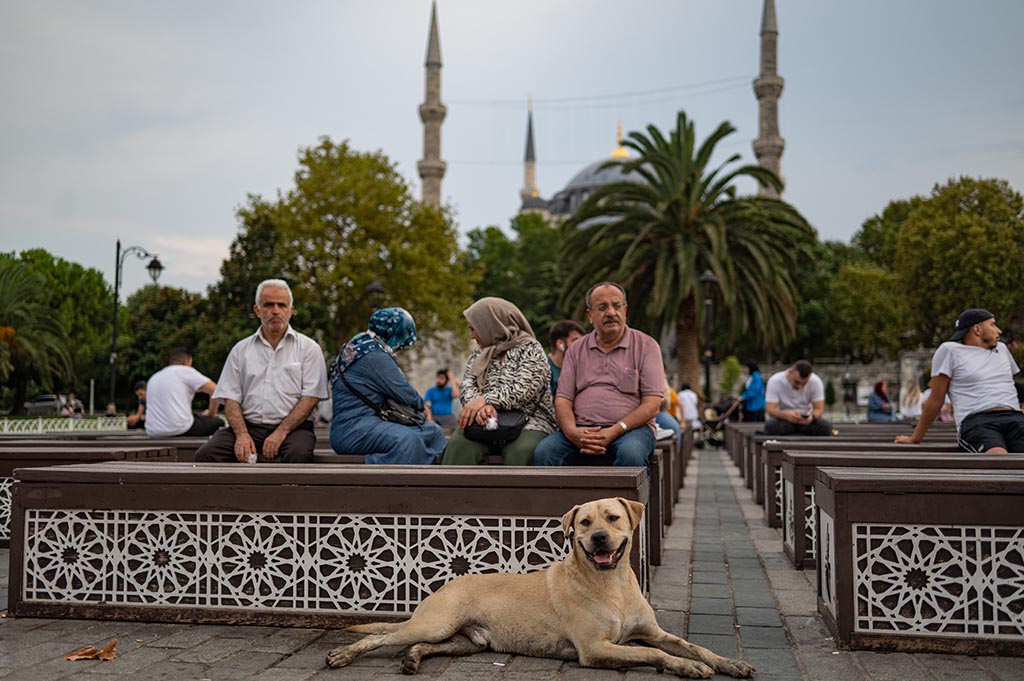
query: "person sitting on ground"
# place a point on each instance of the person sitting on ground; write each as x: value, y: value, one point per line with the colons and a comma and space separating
x: 138, y: 419
x: 438, y: 399
x: 753, y: 394
x: 977, y: 371
x: 270, y: 384
x: 562, y: 335
x: 506, y: 371
x: 911, y: 402
x: 610, y: 391
x: 169, y: 396
x: 367, y: 364
x: 880, y: 407
x: 795, y: 402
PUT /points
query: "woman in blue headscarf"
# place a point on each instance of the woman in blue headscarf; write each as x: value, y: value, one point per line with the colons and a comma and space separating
x: 368, y: 364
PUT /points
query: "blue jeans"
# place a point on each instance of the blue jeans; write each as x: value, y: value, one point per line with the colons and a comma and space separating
x: 668, y: 422
x: 630, y: 449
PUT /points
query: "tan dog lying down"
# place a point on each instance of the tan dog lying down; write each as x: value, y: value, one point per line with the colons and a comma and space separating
x: 586, y: 607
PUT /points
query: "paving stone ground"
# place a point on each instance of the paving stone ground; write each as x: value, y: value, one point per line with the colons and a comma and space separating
x: 724, y: 583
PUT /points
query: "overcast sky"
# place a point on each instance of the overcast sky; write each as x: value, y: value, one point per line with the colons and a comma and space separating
x: 151, y: 121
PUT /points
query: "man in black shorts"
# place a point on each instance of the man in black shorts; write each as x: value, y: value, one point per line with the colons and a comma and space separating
x: 977, y: 370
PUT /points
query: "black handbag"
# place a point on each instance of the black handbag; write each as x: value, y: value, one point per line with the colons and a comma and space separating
x: 391, y: 410
x: 510, y: 425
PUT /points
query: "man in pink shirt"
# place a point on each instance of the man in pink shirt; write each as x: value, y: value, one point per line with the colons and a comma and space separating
x: 610, y: 390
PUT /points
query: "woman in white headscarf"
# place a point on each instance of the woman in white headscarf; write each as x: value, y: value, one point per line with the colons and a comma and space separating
x: 508, y: 370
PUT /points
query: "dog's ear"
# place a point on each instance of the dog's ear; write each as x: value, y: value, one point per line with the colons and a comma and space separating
x: 568, y: 519
x: 634, y: 509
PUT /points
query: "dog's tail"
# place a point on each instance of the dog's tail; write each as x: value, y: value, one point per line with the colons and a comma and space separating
x: 375, y: 627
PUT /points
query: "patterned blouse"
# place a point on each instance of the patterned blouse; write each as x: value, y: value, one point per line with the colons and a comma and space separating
x: 518, y: 381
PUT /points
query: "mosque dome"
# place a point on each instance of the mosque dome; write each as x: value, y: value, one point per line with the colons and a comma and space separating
x: 590, y: 178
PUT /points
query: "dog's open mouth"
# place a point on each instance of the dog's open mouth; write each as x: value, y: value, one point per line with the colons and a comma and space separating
x: 605, y: 560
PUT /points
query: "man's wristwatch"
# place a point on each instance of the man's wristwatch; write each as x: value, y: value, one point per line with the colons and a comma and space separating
x: 622, y: 424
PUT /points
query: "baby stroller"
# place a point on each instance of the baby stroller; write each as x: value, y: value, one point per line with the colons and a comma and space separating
x: 712, y: 428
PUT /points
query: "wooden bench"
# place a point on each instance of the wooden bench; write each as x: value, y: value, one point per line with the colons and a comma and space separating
x: 922, y: 560
x: 282, y: 543
x: 14, y: 456
x: 656, y: 511
x: 770, y: 482
x: 799, y: 531
x: 184, y: 447
x: 765, y: 463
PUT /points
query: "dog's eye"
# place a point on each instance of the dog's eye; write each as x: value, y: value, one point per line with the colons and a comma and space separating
x: 585, y: 522
x: 613, y: 518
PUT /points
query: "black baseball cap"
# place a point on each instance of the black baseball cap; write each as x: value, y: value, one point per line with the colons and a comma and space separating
x: 967, y: 319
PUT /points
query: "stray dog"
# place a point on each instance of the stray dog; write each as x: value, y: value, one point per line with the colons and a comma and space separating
x: 586, y: 607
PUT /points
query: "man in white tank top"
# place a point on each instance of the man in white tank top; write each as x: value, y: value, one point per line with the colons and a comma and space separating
x: 977, y: 372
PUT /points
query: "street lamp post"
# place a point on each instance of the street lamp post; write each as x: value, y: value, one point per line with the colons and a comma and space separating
x: 707, y: 284
x: 155, y: 267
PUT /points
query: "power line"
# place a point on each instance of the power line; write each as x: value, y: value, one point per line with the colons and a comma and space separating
x: 567, y: 102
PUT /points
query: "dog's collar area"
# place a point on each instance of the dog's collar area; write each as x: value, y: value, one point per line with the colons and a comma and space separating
x: 605, y: 560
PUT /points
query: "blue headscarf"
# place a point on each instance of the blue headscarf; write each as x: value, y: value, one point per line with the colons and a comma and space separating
x: 390, y: 330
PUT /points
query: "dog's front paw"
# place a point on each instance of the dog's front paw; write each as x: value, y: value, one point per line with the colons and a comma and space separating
x: 340, y: 657
x: 735, y: 668
x: 693, y: 670
x: 410, y: 665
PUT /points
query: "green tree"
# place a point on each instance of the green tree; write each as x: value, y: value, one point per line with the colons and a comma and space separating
x: 33, y: 338
x: 158, y: 319
x: 84, y: 300
x: 868, y: 314
x: 351, y: 221
x: 876, y: 238
x: 730, y: 373
x: 522, y: 269
x: 657, y: 235
x: 961, y: 247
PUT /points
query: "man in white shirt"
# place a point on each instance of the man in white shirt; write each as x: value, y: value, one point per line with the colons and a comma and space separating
x: 169, y: 396
x: 977, y: 372
x: 270, y: 384
x: 795, y: 402
x: 688, y: 401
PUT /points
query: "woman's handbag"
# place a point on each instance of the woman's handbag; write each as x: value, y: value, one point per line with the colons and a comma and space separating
x: 391, y: 410
x: 510, y: 424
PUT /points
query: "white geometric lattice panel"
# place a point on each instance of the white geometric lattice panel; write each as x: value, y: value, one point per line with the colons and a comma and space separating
x: 827, y: 570
x: 355, y: 563
x: 789, y: 524
x: 5, y: 508
x: 810, y: 531
x: 778, y: 495
x: 939, y: 580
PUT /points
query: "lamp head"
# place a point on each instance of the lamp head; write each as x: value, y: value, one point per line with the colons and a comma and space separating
x: 155, y: 268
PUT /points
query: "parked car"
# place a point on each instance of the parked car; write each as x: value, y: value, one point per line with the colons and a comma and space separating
x: 44, y: 405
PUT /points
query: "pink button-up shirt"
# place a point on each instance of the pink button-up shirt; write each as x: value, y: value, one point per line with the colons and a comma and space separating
x: 606, y: 386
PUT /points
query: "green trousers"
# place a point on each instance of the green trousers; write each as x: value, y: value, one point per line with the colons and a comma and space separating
x: 463, y: 452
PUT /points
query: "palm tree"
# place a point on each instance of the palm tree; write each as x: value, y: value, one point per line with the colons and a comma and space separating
x: 656, y: 233
x: 33, y: 339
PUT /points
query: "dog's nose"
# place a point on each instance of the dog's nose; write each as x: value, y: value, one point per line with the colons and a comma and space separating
x: 600, y: 537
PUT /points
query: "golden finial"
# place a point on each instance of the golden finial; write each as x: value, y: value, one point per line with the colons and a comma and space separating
x: 620, y: 151
x: 529, y: 103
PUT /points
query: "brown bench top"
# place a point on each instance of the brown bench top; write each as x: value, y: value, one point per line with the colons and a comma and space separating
x: 914, y: 480
x: 826, y: 444
x: 893, y: 459
x: 336, y: 474
x: 70, y: 453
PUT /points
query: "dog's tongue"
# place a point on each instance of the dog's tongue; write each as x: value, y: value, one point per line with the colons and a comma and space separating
x: 603, y: 557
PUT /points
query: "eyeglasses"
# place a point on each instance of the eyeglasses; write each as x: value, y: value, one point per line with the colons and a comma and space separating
x: 617, y: 306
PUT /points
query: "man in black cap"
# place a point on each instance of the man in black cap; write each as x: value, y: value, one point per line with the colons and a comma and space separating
x: 977, y: 371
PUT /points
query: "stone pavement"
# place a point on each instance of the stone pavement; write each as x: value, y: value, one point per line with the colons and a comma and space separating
x: 724, y: 583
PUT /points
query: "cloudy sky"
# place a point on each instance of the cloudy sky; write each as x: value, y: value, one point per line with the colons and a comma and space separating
x: 151, y: 121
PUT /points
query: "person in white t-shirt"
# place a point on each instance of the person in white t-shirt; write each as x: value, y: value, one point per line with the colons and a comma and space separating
x: 688, y: 401
x: 977, y: 372
x: 795, y: 402
x: 169, y: 396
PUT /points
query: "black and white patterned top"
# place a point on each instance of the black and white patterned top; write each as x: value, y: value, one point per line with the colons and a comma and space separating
x: 520, y: 380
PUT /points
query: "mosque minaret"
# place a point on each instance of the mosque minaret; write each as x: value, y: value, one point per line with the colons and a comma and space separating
x: 768, y: 87
x: 432, y: 113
